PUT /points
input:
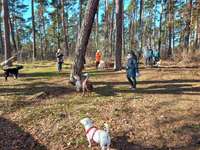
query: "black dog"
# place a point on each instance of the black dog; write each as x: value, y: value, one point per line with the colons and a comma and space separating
x: 12, y: 71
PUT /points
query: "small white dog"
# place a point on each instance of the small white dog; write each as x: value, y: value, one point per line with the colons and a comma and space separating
x: 93, y: 134
x: 101, y: 65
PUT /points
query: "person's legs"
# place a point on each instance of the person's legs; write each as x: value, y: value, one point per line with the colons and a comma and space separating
x: 59, y: 66
x: 146, y: 61
x: 134, y: 82
x: 130, y: 81
x: 97, y: 63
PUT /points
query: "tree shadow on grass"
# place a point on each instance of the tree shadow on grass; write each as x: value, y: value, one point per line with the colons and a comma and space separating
x: 105, y: 90
x: 14, y: 137
x: 122, y: 142
x: 169, y: 87
x: 44, y: 74
x: 27, y: 95
x: 175, y: 81
x: 28, y: 90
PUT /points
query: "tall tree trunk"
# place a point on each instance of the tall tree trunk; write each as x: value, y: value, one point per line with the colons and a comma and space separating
x: 11, y: 25
x: 188, y: 28
x: 170, y: 10
x: 44, y: 35
x: 118, y: 51
x: 197, y: 37
x: 105, y: 48
x: 41, y: 43
x: 123, y: 31
x: 1, y: 36
x: 111, y: 35
x: 64, y: 28
x: 141, y: 24
x: 7, y: 47
x: 173, y: 34
x: 83, y: 38
x: 160, y: 28
x: 58, y: 26
x: 130, y: 32
x: 97, y: 29
x: 33, y: 30
x: 80, y: 12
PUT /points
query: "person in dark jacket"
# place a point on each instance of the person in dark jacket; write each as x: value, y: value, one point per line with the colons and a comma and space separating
x: 132, y: 69
x: 60, y: 60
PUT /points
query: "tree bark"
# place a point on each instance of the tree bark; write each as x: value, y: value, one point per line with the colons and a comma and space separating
x: 123, y: 31
x: 160, y: 29
x: 1, y: 36
x: 105, y: 48
x: 58, y: 26
x: 7, y: 48
x: 197, y: 37
x: 33, y: 30
x: 187, y: 28
x: 111, y: 35
x: 80, y: 12
x: 170, y: 10
x: 11, y: 25
x: 141, y: 24
x: 83, y: 38
x: 97, y: 30
x: 64, y: 28
x: 118, y: 52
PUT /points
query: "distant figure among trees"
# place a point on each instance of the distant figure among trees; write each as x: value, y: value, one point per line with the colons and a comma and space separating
x: 148, y: 56
x: 98, y: 58
x: 60, y: 60
x: 156, y: 56
x: 132, y: 69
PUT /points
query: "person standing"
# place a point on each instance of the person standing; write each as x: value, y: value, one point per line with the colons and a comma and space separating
x: 156, y: 56
x: 60, y: 60
x: 132, y: 69
x: 98, y: 58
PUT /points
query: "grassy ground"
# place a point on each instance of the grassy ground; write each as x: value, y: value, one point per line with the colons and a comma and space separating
x: 163, y: 113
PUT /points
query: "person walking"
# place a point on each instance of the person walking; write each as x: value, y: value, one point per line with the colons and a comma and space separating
x: 98, y: 58
x: 132, y: 69
x: 60, y: 60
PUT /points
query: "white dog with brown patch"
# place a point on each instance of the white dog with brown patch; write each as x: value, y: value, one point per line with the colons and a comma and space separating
x: 93, y: 134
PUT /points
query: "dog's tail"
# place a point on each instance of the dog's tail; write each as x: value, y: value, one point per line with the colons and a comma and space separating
x: 106, y: 127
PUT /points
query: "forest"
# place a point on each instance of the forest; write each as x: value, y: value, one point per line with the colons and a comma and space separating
x: 130, y: 65
x: 38, y: 28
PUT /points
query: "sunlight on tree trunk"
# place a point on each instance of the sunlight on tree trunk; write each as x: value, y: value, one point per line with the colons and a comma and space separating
x: 83, y: 38
x: 5, y: 10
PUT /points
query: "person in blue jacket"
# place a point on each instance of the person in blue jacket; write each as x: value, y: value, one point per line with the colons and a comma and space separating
x: 132, y: 69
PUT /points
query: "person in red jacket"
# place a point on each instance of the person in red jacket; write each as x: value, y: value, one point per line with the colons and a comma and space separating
x: 98, y: 58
